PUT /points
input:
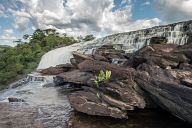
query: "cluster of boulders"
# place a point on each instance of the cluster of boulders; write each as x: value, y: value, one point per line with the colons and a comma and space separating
x: 156, y: 74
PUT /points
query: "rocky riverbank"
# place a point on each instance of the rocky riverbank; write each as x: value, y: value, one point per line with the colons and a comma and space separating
x: 137, y: 119
x: 155, y: 76
x: 20, y: 115
x: 34, y: 106
x: 17, y: 117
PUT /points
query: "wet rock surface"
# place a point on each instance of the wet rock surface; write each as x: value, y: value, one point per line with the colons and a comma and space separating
x: 24, y: 116
x: 112, y: 98
x: 17, y: 117
x: 137, y: 119
x: 43, y: 107
x: 57, y: 70
x: 13, y: 99
x: 74, y: 76
x: 156, y: 75
x: 169, y: 87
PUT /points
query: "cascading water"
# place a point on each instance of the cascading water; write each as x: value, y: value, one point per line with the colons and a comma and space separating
x: 58, y: 56
x: 50, y: 104
x: 33, y: 84
x: 179, y: 33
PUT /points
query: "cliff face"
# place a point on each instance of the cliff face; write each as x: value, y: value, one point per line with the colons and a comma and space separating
x: 177, y: 33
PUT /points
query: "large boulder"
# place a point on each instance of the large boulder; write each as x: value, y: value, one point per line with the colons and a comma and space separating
x: 80, y: 57
x: 91, y: 104
x: 160, y: 55
x: 168, y: 88
x: 52, y: 71
x: 110, y: 99
x: 96, y: 66
x: 57, y: 70
x: 75, y: 77
x: 154, y: 75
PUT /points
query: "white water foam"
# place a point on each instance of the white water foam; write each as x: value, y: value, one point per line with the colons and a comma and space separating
x: 129, y: 42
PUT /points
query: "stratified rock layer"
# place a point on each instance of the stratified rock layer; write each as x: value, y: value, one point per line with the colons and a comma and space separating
x: 156, y: 74
x: 112, y: 98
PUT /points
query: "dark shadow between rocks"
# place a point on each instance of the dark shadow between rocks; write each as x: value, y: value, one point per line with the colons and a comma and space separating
x: 148, y: 118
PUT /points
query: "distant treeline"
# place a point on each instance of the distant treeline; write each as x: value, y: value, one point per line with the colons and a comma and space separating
x: 22, y: 59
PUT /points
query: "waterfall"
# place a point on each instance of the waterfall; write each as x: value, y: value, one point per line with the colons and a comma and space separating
x: 178, y: 33
x: 57, y: 56
x: 33, y: 78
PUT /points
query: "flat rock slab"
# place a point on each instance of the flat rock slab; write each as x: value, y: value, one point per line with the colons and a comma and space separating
x: 17, y: 117
x: 96, y: 66
x: 89, y: 103
x: 170, y: 95
x: 75, y: 77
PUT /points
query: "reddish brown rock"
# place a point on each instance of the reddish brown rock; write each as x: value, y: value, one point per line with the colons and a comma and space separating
x: 52, y: 71
x: 96, y: 66
x: 99, y: 57
x: 18, y: 117
x: 161, y: 55
x: 57, y: 70
x: 185, y: 66
x: 80, y: 57
x: 75, y: 77
x: 125, y: 91
x: 155, y: 73
x: 89, y: 103
x: 166, y: 89
x: 187, y: 81
x: 73, y: 62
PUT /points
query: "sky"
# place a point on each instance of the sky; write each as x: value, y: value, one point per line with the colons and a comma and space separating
x: 82, y: 17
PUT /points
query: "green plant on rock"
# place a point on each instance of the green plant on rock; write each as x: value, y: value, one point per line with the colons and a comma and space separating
x: 103, y: 76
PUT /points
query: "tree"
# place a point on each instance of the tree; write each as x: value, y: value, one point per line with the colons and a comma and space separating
x: 26, y: 36
x: 50, y: 31
x: 24, y: 58
x: 19, y: 68
x: 19, y: 41
x: 88, y: 38
x: 38, y: 34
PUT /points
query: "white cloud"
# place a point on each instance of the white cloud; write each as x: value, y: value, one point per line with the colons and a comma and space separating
x: 8, y: 31
x: 77, y: 17
x: 144, y: 24
x: 146, y: 3
x: 7, y: 37
x: 2, y: 11
x: 174, y: 10
x: 22, y: 19
x: 125, y: 1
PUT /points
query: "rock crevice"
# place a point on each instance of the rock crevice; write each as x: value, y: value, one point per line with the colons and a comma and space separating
x: 158, y: 74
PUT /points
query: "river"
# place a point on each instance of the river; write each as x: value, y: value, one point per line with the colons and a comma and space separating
x: 48, y: 107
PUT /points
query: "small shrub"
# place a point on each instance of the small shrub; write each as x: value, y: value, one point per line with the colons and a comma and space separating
x: 102, y: 77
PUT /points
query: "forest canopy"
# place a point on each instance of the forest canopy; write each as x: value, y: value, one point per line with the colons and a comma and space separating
x: 15, y: 62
